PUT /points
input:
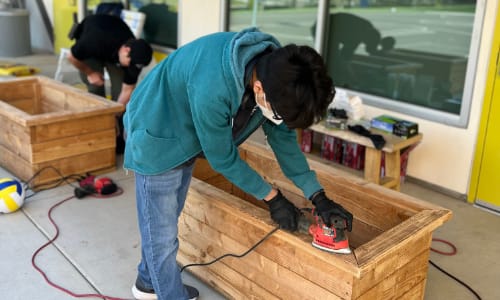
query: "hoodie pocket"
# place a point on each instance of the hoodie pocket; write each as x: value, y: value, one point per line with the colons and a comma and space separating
x: 155, y: 154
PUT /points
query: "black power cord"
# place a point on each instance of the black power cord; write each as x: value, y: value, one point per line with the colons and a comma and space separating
x: 62, y: 179
x: 456, y: 279
x: 450, y: 253
x: 231, y: 254
x: 52, y: 240
x: 104, y: 195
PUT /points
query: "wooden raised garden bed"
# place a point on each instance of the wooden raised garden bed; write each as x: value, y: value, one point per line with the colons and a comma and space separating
x: 48, y: 124
x: 391, y: 238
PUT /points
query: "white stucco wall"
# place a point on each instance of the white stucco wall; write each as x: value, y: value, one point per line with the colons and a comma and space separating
x: 198, y: 18
x: 49, y: 4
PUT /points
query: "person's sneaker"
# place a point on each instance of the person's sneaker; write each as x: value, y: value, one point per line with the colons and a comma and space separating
x: 192, y: 292
x: 140, y: 292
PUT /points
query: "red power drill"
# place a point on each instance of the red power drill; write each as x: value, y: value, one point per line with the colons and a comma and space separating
x: 91, y: 186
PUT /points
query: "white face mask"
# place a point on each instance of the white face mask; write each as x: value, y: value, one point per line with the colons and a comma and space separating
x: 268, y: 112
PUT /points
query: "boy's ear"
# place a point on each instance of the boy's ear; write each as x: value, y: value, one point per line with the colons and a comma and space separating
x: 257, y: 87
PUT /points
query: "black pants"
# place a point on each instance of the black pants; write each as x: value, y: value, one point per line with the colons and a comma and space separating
x: 116, y: 80
x: 115, y: 77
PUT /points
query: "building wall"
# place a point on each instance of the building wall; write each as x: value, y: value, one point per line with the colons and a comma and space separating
x: 198, y: 18
x: 445, y: 156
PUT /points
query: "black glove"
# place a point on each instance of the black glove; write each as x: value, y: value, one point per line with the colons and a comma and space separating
x: 283, y: 212
x: 326, y: 208
x: 377, y: 139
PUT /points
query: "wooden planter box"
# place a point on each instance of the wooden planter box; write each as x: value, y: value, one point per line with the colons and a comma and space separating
x: 391, y: 238
x: 48, y: 124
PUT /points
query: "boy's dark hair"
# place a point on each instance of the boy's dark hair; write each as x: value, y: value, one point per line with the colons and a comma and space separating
x: 141, y: 52
x: 296, y: 84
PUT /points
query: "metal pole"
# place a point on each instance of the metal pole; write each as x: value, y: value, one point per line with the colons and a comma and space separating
x: 322, y: 18
x: 81, y: 9
x: 254, y: 13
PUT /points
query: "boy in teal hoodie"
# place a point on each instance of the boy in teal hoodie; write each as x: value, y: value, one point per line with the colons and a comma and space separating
x: 204, y: 99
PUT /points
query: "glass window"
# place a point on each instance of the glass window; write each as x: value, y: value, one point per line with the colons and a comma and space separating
x: 413, y: 52
x: 410, y: 56
x: 160, y: 26
x: 289, y: 21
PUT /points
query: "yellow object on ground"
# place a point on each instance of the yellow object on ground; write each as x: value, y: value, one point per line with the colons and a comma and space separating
x: 16, y: 69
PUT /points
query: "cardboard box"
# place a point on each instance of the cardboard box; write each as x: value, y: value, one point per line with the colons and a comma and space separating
x: 384, y: 123
x: 327, y: 150
x: 307, y: 141
x: 398, y: 127
x: 405, y: 129
x: 338, y: 150
x: 354, y: 156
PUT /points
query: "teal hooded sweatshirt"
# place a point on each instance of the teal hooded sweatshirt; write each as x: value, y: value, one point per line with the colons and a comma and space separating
x: 186, y: 104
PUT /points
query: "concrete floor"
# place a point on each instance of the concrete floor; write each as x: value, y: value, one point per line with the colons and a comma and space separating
x: 98, y: 245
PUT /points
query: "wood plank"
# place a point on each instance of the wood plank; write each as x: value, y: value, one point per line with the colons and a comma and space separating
x: 54, y: 100
x: 72, y: 127
x: 218, y: 209
x: 393, y: 167
x: 72, y: 98
x: 362, y: 234
x: 96, y: 162
x: 73, y: 145
x: 269, y: 275
x: 15, y: 137
x: 395, y: 248
x: 13, y: 114
x: 57, y: 116
x: 37, y: 105
x: 210, y: 277
x: 202, y: 171
x: 373, y: 204
x: 401, y: 281
x: 397, y: 239
x: 393, y: 142
x: 12, y: 92
x: 358, y: 199
x: 416, y: 293
x: 15, y: 164
x: 27, y: 105
x: 232, y: 283
x: 372, y: 165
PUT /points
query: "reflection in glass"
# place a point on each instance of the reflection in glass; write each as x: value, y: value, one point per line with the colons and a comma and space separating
x: 410, y: 51
x: 288, y: 20
x: 160, y: 27
x: 405, y: 51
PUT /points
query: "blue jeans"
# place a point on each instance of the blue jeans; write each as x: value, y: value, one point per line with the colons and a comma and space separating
x: 160, y: 200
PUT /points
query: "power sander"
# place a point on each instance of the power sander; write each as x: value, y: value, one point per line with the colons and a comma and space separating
x: 328, y: 238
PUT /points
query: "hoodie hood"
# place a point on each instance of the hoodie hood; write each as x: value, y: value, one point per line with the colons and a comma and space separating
x: 244, y: 46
